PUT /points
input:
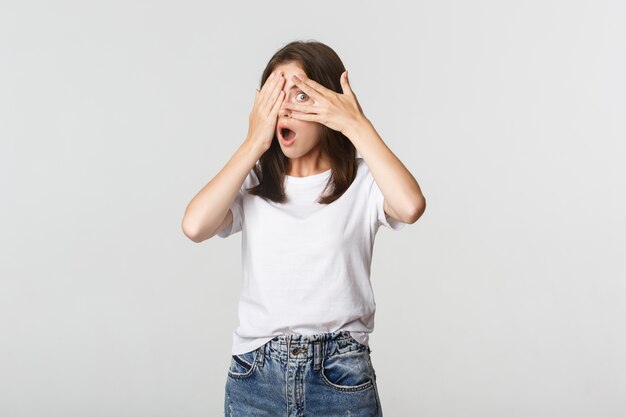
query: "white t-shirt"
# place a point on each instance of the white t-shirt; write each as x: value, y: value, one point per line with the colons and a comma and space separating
x: 306, y: 265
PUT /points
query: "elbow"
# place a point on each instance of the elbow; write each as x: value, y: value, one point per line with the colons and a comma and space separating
x: 418, y: 210
x: 190, y: 231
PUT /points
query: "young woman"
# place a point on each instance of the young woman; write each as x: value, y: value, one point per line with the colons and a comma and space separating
x: 308, y: 209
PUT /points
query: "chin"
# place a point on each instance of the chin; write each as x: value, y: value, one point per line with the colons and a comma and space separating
x: 290, y: 153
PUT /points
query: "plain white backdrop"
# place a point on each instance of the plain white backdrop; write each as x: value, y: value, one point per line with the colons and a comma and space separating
x: 506, y: 298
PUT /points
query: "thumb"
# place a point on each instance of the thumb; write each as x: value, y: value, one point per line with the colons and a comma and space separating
x: 345, y: 83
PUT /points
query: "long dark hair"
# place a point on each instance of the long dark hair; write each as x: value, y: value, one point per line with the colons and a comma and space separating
x: 322, y: 64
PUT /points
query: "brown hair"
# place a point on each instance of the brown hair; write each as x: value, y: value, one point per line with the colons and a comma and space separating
x: 322, y: 64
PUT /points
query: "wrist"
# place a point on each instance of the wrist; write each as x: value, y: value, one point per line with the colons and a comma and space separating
x: 251, y: 150
x: 358, y: 127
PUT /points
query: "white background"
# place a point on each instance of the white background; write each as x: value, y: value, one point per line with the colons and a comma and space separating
x: 506, y: 298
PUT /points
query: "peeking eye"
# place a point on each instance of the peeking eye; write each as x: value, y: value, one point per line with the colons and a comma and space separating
x: 301, y: 94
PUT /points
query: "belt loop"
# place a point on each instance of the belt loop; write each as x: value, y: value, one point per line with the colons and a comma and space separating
x: 317, y: 355
x: 261, y: 355
x: 288, y: 346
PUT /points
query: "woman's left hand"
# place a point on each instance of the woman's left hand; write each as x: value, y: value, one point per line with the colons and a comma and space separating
x: 340, y: 112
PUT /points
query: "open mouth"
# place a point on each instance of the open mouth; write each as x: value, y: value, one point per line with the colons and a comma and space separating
x: 287, y: 134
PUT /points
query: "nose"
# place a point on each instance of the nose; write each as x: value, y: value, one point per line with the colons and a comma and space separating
x: 283, y: 112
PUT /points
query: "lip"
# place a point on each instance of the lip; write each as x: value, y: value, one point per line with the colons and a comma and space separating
x: 280, y: 128
x: 283, y: 125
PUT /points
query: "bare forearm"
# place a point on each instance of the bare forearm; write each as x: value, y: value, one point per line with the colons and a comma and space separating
x: 401, y: 190
x: 209, y: 206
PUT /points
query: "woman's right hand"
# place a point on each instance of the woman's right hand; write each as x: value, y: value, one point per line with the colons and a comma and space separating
x: 262, y: 120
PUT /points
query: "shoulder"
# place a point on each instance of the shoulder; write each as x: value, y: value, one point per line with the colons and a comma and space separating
x: 363, y: 170
x: 361, y: 166
x: 251, y: 180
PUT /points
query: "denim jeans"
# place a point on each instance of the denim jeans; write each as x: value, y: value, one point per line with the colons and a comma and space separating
x: 296, y: 375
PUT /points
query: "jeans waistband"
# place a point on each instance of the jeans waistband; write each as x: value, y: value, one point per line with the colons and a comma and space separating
x: 303, y: 347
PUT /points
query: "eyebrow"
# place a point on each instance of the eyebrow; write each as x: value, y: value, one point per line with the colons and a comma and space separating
x: 294, y: 85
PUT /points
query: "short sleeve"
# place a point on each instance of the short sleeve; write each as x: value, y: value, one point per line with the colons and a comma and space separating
x: 237, y: 208
x: 376, y: 201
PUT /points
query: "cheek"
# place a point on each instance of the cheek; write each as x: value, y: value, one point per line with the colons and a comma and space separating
x: 310, y: 129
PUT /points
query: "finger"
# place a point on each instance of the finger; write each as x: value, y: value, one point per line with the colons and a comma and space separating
x: 304, y: 116
x: 312, y: 88
x: 273, y: 95
x: 267, y: 86
x: 345, y: 83
x: 267, y: 83
x: 276, y: 107
x: 304, y: 108
x: 276, y: 87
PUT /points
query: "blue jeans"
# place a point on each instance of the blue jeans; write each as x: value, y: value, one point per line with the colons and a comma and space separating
x: 296, y: 375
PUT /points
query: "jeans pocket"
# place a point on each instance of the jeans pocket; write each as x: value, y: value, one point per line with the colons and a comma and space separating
x: 243, y: 365
x: 369, y: 362
x: 347, y: 372
x: 357, y: 343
